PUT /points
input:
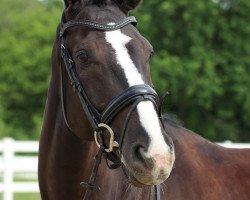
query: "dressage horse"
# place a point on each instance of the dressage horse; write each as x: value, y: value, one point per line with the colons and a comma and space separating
x: 103, y: 135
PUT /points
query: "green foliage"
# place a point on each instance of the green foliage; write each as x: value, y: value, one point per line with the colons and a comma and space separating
x: 27, y: 30
x: 202, y: 58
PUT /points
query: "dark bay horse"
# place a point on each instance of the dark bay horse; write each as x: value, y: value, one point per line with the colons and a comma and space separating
x: 101, y: 106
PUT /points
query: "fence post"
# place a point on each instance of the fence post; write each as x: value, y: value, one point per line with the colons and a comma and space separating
x: 8, y: 154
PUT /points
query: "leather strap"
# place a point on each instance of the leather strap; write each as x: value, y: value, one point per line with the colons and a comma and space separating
x: 127, y: 97
x: 92, y: 114
x: 91, y: 184
x: 157, y: 192
x: 62, y: 99
x: 97, y: 26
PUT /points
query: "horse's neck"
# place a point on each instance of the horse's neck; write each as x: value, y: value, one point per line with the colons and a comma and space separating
x: 62, y: 154
x: 207, y: 169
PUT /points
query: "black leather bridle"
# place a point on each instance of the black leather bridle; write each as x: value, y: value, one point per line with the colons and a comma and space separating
x: 100, y: 121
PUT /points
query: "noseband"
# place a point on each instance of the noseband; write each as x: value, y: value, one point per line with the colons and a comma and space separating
x: 100, y: 120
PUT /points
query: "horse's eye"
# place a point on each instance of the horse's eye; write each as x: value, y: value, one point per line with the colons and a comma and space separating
x: 82, y: 56
x: 152, y: 53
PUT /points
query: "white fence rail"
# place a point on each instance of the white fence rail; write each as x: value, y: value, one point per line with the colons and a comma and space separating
x: 12, y: 162
x: 229, y: 144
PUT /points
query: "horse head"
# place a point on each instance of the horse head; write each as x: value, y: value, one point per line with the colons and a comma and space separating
x: 109, y: 62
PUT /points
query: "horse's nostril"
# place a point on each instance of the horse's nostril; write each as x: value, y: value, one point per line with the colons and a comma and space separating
x: 142, y: 157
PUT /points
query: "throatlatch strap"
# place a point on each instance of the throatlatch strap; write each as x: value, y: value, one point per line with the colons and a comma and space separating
x: 90, y: 111
x: 62, y: 99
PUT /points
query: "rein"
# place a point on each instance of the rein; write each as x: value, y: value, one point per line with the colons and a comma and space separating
x: 100, y: 121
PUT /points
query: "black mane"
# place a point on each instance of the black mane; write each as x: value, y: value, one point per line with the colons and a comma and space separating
x: 172, y: 119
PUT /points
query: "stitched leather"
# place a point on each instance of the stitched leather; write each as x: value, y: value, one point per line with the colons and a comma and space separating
x: 127, y: 97
x: 102, y: 27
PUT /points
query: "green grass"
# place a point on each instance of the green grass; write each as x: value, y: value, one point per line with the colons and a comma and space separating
x: 25, y: 196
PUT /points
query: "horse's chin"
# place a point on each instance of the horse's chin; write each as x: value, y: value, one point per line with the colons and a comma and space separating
x: 141, y: 181
x: 132, y: 180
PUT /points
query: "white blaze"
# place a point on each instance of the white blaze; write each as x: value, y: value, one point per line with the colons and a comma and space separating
x: 147, y: 114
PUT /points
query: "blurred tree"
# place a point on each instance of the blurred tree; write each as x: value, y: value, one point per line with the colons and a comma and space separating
x: 202, y: 58
x: 27, y: 31
x: 203, y: 50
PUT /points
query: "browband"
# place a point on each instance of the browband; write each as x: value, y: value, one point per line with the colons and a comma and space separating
x: 94, y: 25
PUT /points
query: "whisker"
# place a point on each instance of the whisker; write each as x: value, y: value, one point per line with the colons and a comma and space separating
x: 127, y: 188
x: 162, y: 188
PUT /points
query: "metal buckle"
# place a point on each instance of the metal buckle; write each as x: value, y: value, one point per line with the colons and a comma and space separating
x: 112, y: 143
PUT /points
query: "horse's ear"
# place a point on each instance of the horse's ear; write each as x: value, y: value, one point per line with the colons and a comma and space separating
x: 71, y: 3
x: 127, y: 5
x: 72, y: 7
